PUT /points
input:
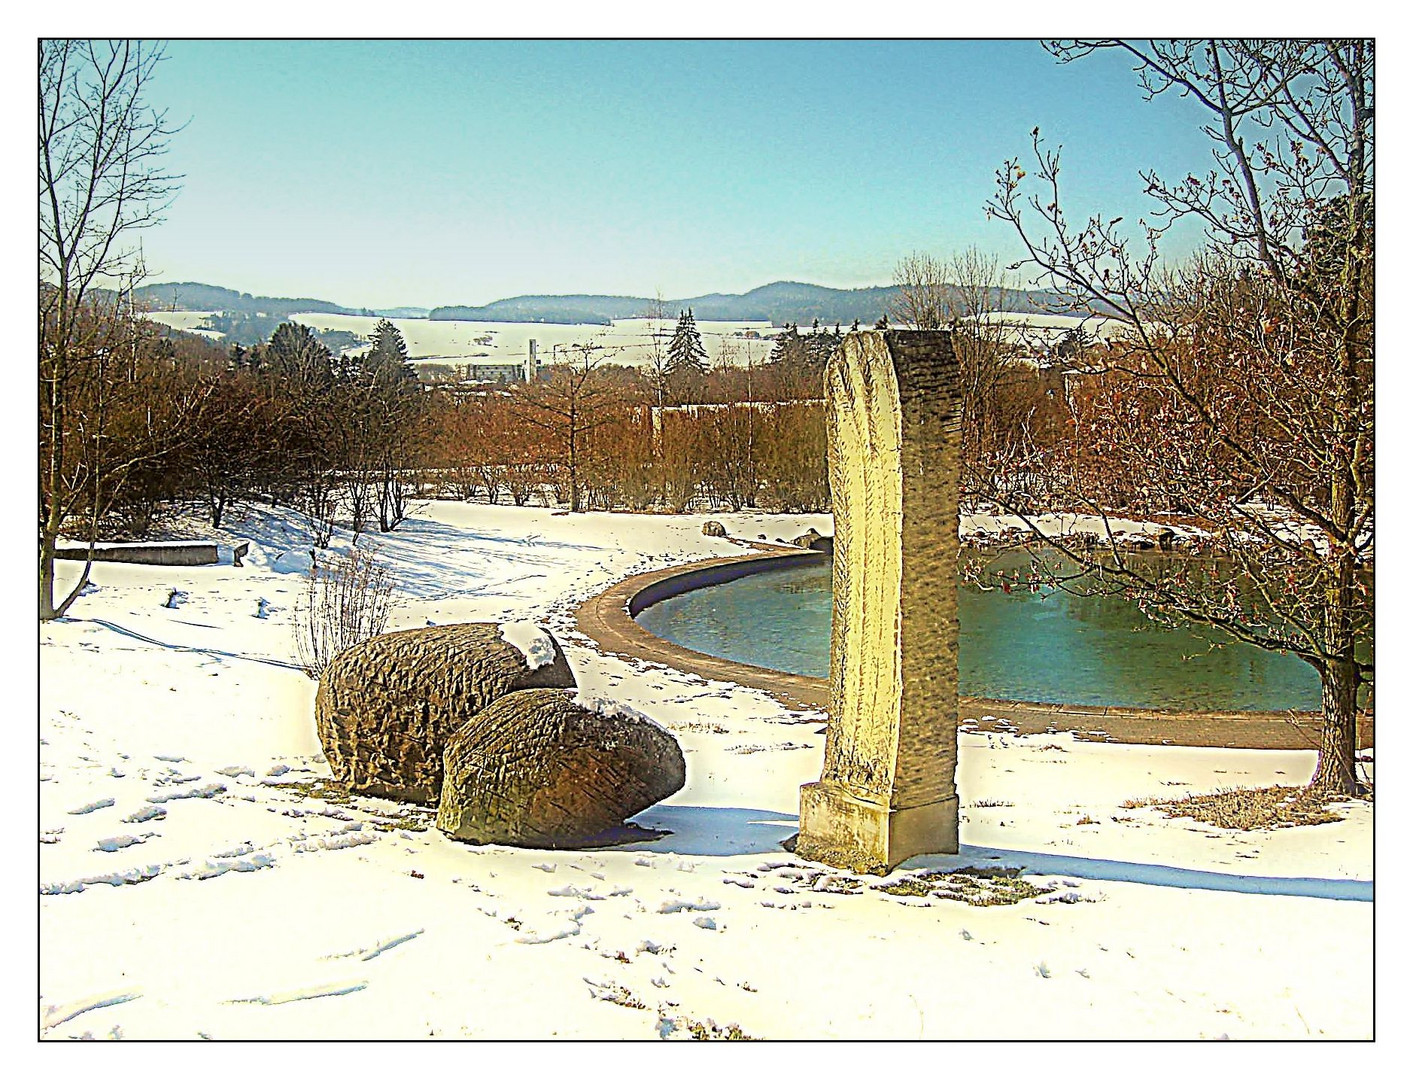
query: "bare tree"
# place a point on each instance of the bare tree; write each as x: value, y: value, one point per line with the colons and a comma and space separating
x: 572, y: 400
x: 923, y: 297
x: 657, y: 358
x: 964, y: 294
x: 1242, y: 391
x: 100, y: 181
x: 990, y: 418
x: 347, y: 599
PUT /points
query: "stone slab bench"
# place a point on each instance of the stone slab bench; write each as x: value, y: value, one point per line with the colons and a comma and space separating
x: 168, y: 553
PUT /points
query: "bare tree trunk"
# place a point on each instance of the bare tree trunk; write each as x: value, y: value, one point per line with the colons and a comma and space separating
x: 573, y: 464
x: 46, y: 578
x: 1339, y: 741
x: 47, y: 608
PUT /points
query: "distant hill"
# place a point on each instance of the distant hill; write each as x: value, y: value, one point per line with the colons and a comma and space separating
x: 549, y: 309
x: 778, y: 303
x: 193, y: 296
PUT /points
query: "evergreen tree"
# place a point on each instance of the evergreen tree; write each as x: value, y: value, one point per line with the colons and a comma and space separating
x: 819, y: 345
x: 386, y: 363
x: 387, y: 410
x: 786, y: 347
x: 295, y: 353
x: 686, y: 359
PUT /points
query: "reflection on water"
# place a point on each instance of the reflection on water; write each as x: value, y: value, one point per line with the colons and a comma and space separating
x: 1085, y: 650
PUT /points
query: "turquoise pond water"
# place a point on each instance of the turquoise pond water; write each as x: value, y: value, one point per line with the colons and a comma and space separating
x: 1020, y: 646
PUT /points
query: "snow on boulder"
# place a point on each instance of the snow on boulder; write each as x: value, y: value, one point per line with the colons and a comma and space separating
x: 534, y: 644
x: 607, y: 707
x: 386, y: 708
x: 537, y: 769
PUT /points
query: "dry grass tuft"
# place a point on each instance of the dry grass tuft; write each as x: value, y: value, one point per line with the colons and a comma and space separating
x: 978, y: 886
x: 1246, y: 809
x: 710, y: 1030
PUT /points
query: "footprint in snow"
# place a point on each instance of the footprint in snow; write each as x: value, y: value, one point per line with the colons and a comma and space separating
x: 97, y: 804
x: 117, y: 843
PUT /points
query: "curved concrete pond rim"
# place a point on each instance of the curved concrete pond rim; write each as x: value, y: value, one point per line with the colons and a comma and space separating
x: 608, y: 620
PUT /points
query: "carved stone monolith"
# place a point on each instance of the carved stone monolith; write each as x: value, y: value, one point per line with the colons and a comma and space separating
x: 888, y: 789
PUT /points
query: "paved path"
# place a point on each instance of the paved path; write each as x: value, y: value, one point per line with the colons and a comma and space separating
x: 608, y: 620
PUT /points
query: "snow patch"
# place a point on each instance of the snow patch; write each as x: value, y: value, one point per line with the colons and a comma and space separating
x: 607, y: 707
x: 206, y: 791
x: 534, y: 644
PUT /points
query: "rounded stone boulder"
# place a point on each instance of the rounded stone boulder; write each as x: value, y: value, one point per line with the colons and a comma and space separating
x: 385, y: 708
x: 538, y: 769
x: 713, y: 528
x: 814, y: 541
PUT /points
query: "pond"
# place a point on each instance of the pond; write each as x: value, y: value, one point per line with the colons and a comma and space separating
x: 1047, y: 646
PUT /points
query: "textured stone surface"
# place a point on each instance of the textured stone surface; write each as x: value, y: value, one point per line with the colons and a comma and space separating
x: 535, y: 768
x: 713, y: 528
x: 887, y: 792
x: 814, y: 541
x: 386, y: 708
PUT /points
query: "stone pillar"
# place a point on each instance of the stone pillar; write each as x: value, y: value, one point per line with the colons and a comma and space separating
x: 888, y: 790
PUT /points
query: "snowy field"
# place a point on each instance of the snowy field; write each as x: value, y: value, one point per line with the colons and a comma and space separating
x: 189, y: 321
x: 193, y: 883
x: 626, y: 341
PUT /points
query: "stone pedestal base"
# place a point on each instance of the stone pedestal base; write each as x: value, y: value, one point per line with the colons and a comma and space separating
x: 839, y: 828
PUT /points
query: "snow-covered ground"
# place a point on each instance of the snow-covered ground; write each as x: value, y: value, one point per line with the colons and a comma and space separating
x: 192, y: 322
x: 194, y: 884
x: 625, y: 341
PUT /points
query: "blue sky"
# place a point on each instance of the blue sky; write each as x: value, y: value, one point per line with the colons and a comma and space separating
x: 378, y: 173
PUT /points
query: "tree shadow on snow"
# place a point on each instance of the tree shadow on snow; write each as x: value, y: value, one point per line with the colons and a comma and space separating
x: 125, y: 632
x: 715, y: 830
x: 432, y: 530
x: 1177, y: 877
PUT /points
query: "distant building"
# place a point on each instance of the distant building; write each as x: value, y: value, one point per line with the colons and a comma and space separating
x: 476, y: 371
x: 488, y: 371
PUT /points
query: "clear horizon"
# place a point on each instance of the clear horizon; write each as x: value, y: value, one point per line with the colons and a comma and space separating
x: 379, y: 174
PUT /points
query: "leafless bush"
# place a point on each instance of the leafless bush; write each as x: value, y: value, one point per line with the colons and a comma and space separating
x: 347, y: 599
